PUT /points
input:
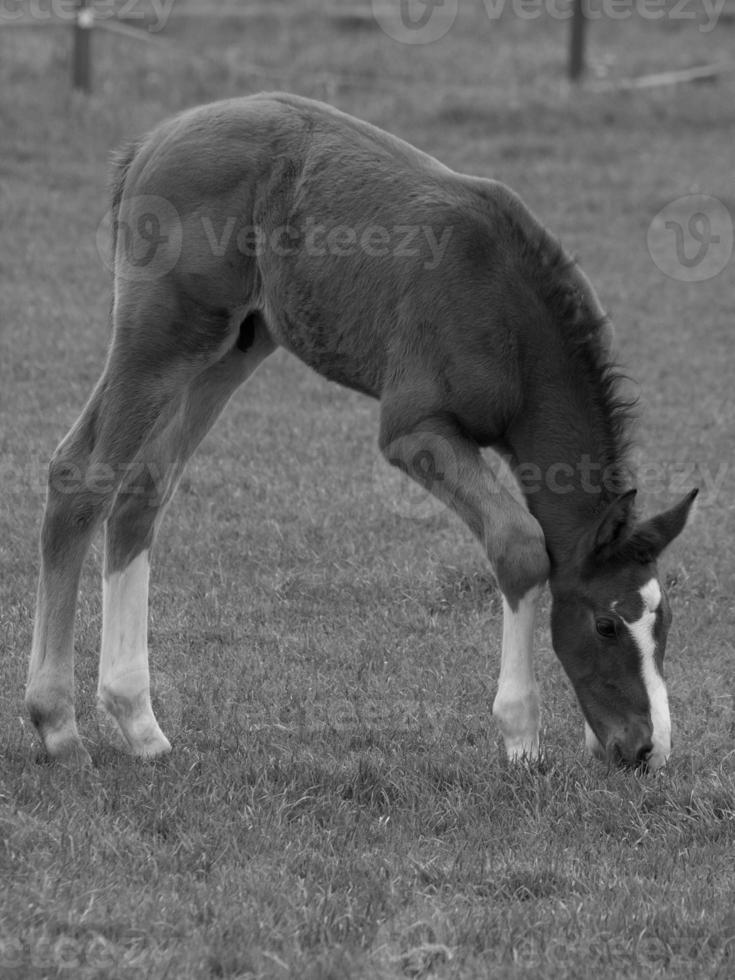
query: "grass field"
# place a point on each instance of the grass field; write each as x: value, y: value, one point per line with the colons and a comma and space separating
x: 337, y: 804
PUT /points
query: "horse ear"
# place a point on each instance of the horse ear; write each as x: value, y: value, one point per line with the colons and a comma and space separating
x: 614, y: 525
x: 651, y: 537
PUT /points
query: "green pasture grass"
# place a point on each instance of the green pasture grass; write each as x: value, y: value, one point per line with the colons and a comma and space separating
x: 337, y: 803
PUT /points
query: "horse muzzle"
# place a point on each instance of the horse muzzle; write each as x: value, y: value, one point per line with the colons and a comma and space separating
x: 634, y: 747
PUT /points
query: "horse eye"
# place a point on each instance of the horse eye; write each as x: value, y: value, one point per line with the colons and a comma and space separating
x: 606, y: 628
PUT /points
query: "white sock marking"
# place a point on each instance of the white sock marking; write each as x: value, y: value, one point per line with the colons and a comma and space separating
x: 592, y: 742
x: 125, y: 621
x: 124, y: 679
x: 642, y: 633
x: 516, y: 704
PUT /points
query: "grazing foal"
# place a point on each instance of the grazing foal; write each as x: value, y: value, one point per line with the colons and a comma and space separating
x: 277, y: 221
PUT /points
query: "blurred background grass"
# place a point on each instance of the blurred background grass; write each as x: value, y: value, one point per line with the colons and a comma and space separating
x: 317, y: 657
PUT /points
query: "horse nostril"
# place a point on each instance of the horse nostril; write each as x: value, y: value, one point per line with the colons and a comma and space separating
x: 644, y: 752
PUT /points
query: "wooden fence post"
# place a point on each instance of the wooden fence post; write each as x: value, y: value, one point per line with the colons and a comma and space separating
x: 82, y: 55
x: 576, y: 41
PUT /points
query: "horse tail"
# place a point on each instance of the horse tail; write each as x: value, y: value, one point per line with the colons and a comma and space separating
x: 121, y: 161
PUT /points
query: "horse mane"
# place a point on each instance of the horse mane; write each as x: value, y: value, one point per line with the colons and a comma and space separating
x: 586, y: 334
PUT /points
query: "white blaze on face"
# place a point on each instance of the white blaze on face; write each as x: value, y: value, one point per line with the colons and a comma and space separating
x: 642, y: 632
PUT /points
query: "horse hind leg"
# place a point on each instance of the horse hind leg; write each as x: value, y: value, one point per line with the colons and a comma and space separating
x: 429, y: 446
x: 84, y: 473
x: 160, y: 342
x: 71, y: 515
x: 124, y: 675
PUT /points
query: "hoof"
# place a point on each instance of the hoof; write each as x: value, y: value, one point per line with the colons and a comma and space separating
x: 152, y: 745
x: 522, y: 750
x: 655, y: 762
x: 518, y: 719
x: 133, y: 718
x: 57, y: 730
x: 70, y: 753
x: 137, y: 731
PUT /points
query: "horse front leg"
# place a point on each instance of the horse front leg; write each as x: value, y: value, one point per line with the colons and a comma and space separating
x: 443, y: 459
x: 517, y: 703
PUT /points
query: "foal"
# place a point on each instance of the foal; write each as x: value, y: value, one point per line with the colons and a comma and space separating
x: 277, y: 221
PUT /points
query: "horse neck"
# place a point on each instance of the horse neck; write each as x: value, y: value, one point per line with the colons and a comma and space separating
x: 569, y: 465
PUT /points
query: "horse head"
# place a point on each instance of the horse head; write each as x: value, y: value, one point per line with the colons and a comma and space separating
x: 609, y: 622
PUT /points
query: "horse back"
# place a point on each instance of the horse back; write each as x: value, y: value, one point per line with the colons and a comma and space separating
x: 369, y: 259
